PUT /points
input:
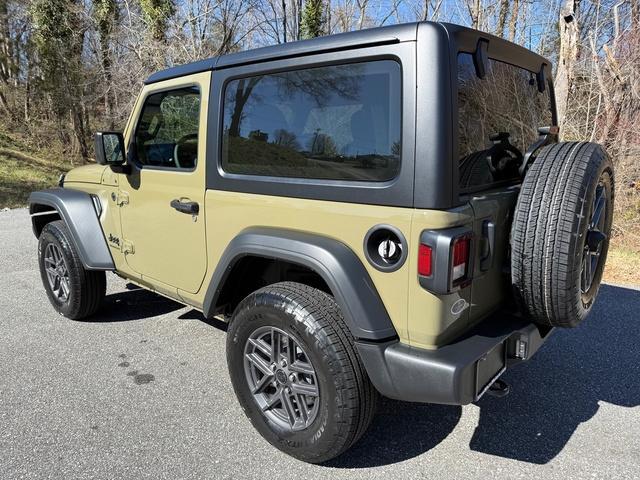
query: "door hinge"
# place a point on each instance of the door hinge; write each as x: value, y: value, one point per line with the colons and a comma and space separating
x: 122, y: 199
x: 127, y: 247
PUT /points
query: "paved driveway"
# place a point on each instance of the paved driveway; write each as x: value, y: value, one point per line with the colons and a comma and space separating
x: 142, y: 391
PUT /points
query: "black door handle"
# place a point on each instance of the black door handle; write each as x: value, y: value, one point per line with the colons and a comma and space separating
x: 190, y: 208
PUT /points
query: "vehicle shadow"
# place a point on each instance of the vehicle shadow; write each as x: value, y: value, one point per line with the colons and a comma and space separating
x: 551, y: 395
x: 194, y: 314
x: 562, y: 386
x: 400, y: 431
x: 134, y: 303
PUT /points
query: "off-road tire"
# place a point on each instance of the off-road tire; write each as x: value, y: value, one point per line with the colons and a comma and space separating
x: 550, y: 228
x: 86, y: 287
x: 347, y: 399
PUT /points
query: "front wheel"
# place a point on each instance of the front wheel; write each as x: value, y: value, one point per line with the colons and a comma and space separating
x: 296, y: 372
x: 74, y: 292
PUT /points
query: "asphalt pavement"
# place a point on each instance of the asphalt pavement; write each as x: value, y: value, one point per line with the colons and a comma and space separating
x: 142, y: 391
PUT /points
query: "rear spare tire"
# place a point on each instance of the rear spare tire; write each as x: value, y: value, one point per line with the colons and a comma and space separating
x: 560, y: 232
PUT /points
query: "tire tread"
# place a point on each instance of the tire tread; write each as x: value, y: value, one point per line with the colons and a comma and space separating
x: 88, y: 287
x: 360, y: 397
x: 548, y: 228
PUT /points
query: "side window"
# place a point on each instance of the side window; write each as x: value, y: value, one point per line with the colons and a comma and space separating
x: 340, y: 122
x: 498, y: 117
x: 167, y: 130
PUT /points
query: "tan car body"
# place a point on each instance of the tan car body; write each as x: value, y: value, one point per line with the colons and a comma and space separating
x: 176, y: 255
x: 417, y: 261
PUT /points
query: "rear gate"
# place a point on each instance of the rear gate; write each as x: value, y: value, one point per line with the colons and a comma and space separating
x: 491, y: 285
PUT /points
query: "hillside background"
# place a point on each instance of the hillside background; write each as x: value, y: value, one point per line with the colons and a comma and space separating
x: 71, y: 67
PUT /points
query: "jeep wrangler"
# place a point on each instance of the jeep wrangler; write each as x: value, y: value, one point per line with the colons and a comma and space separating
x: 388, y: 211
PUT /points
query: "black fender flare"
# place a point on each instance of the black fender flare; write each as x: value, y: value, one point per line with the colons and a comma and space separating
x: 337, y: 264
x: 77, y: 210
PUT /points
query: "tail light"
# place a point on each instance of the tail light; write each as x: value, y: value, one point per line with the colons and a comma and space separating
x: 460, y: 259
x: 425, y: 267
x: 445, y: 259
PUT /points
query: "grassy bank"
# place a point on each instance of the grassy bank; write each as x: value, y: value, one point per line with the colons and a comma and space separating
x: 24, y: 169
x: 623, y: 262
x: 20, y: 174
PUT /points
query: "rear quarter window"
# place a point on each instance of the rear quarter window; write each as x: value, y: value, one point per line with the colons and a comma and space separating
x: 503, y: 107
x: 339, y: 122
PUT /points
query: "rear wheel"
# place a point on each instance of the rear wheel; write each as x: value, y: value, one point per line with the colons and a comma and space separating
x: 560, y: 232
x: 74, y: 292
x: 296, y: 372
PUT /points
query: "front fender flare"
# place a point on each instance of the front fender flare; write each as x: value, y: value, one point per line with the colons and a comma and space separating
x: 337, y: 264
x: 78, y: 212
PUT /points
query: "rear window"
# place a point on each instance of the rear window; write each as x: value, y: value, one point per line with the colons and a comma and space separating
x: 505, y: 109
x: 340, y: 122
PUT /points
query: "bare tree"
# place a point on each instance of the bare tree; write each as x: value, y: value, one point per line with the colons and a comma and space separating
x: 502, y: 17
x: 8, y: 67
x: 569, y: 51
x: 474, y: 8
x: 362, y: 10
x: 513, y: 21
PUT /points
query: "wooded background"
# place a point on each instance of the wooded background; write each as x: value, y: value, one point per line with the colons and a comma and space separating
x: 70, y: 67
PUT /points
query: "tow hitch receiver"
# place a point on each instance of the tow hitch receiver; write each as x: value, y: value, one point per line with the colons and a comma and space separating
x: 499, y: 389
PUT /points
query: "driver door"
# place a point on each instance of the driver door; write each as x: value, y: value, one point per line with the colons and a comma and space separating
x: 162, y: 198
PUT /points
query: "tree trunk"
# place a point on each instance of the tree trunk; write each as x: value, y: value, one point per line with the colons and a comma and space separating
x: 299, y: 20
x: 79, y: 132
x: 3, y: 102
x: 569, y: 51
x: 284, y: 21
x: 362, y: 8
x: 327, y: 18
x: 106, y: 67
x: 7, y: 67
x: 241, y: 97
x: 474, y: 12
x: 6, y: 54
x: 106, y: 16
x: 27, y: 100
x: 513, y: 22
x: 75, y: 76
x: 502, y: 17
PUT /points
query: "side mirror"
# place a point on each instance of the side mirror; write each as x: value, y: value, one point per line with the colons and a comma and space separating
x: 109, y: 148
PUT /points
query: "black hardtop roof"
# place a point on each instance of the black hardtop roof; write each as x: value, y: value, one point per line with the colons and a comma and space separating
x: 341, y: 41
x: 406, y: 32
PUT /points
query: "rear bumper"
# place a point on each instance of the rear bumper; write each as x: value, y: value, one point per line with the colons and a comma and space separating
x: 458, y: 373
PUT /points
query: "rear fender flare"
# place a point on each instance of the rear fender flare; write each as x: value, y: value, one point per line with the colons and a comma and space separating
x: 340, y: 268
